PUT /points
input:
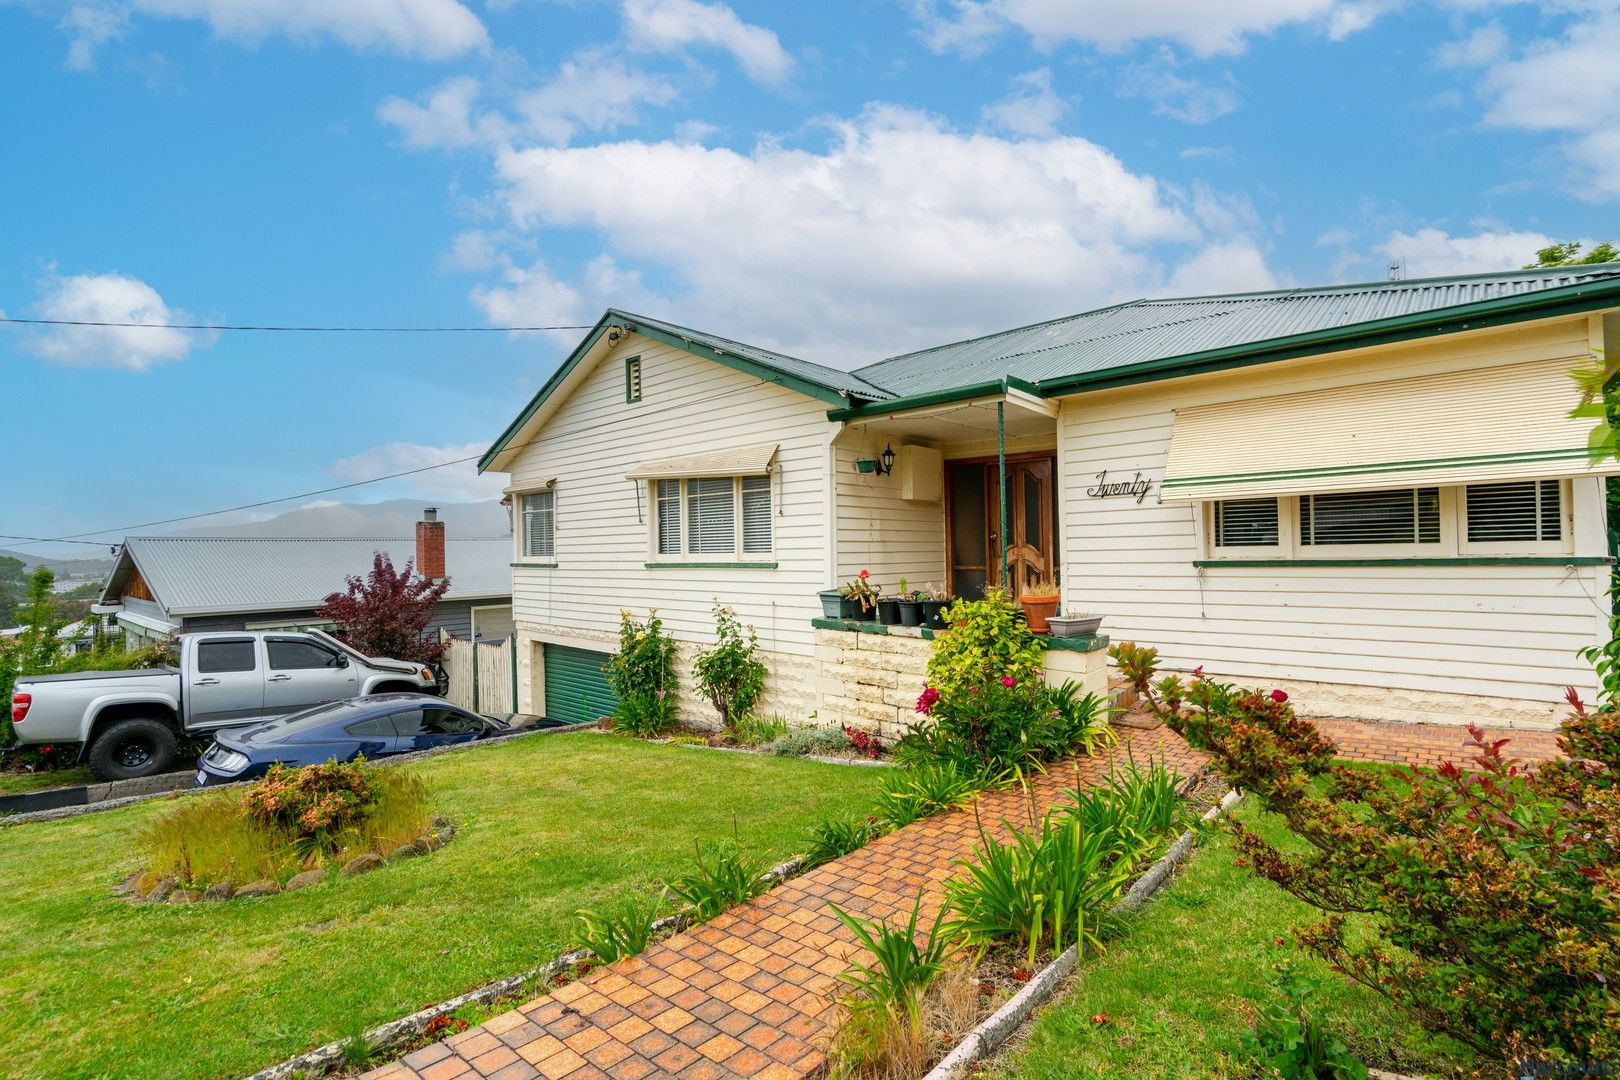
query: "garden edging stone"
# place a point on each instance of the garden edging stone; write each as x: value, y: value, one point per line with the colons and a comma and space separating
x: 993, y: 1031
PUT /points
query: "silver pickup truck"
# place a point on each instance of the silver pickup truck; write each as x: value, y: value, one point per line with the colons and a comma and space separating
x: 127, y: 723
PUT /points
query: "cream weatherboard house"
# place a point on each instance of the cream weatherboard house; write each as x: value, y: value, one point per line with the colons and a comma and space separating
x: 1370, y: 494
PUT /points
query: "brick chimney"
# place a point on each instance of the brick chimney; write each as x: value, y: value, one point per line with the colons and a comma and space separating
x: 430, y: 545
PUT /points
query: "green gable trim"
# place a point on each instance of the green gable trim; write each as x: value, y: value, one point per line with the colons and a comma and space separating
x: 1518, y: 458
x: 710, y: 565
x: 1458, y: 560
x: 614, y: 317
x: 1520, y: 307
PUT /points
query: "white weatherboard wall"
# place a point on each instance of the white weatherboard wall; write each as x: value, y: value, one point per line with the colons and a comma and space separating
x: 1443, y: 644
x: 689, y: 405
x: 881, y: 532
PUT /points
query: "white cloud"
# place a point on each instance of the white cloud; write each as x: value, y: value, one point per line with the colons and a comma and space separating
x: 459, y: 483
x: 441, y: 118
x: 592, y: 91
x: 1224, y: 153
x: 671, y: 25
x: 1484, y: 46
x: 114, y: 298
x: 1203, y: 27
x: 89, y: 28
x: 1033, y: 108
x: 428, y: 29
x: 1222, y: 268
x: 901, y: 232
x: 1192, y: 101
x: 1569, y: 86
x: 1432, y: 252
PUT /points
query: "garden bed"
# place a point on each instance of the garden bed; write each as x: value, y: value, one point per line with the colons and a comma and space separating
x: 547, y: 827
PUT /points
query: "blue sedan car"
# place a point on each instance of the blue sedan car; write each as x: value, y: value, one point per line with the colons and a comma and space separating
x: 376, y: 725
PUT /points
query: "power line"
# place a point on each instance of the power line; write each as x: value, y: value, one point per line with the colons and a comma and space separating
x: 48, y: 540
x: 76, y: 537
x: 297, y: 329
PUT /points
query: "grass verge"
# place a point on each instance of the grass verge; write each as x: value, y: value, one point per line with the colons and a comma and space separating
x: 21, y: 782
x: 1176, y: 986
x: 548, y: 825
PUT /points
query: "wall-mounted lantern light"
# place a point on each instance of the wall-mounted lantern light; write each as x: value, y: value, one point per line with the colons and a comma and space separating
x: 882, y: 465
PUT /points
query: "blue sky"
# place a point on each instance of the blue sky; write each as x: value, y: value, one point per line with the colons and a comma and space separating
x: 839, y: 181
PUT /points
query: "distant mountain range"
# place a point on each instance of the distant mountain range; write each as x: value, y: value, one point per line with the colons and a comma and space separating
x: 382, y: 520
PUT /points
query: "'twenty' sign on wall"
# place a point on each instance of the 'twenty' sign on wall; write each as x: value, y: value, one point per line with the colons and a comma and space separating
x: 1136, y: 487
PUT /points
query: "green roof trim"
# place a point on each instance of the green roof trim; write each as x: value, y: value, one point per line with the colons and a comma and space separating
x: 994, y: 388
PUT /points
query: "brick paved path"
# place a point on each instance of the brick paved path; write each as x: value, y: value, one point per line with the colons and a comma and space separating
x: 750, y: 993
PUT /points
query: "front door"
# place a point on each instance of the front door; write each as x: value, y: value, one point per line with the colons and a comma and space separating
x: 974, y: 525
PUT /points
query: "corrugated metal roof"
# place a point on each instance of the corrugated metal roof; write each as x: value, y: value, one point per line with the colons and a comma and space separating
x: 194, y: 575
x: 1148, y: 330
x: 845, y: 382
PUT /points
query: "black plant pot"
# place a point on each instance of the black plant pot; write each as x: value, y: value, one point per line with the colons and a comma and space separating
x: 849, y: 608
x: 933, y: 613
x: 889, y: 612
x: 910, y: 612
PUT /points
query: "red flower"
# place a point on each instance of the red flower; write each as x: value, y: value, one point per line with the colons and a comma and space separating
x: 927, y: 701
x: 865, y: 574
x: 1279, y: 696
x: 1008, y: 681
x: 1198, y: 672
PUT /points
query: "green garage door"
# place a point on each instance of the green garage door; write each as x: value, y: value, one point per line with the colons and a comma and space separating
x: 576, y: 690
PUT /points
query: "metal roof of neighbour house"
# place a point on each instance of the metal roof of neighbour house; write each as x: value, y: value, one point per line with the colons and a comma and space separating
x: 203, y: 575
x: 1145, y: 331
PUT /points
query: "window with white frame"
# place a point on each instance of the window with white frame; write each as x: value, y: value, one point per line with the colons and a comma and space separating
x: 712, y: 517
x: 1507, y: 518
x: 539, y: 525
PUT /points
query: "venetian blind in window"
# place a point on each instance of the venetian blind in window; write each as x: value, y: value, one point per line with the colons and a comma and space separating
x: 756, y: 502
x: 669, y: 517
x: 1399, y: 516
x: 711, y: 516
x: 1246, y: 523
x: 1522, y: 512
x: 539, y: 524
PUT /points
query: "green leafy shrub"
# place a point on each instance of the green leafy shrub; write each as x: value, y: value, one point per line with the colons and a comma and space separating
x: 1047, y: 887
x: 274, y: 829
x: 902, y: 968
x: 1291, y: 1039
x: 757, y: 731
x: 1491, y: 894
x: 720, y: 878
x: 988, y: 641
x: 912, y: 794
x: 623, y: 930
x: 839, y: 836
x: 731, y: 674
x: 804, y: 741
x: 1079, y: 721
x: 1002, y: 724
x: 644, y: 677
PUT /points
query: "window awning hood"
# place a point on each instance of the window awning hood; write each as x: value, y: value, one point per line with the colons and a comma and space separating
x: 747, y: 461
x: 1501, y: 423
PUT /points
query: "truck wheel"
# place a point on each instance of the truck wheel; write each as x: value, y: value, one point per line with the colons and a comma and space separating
x: 132, y: 748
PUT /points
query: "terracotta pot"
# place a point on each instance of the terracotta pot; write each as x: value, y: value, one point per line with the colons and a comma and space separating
x: 1037, y: 611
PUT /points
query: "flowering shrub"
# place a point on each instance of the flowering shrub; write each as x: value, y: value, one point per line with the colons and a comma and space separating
x: 1491, y: 893
x: 643, y: 676
x: 862, y: 591
x: 731, y: 674
x: 313, y: 803
x: 988, y: 642
x: 862, y: 742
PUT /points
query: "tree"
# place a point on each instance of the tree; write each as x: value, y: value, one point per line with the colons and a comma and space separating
x: 387, y: 612
x: 1569, y: 254
x: 13, y: 585
x: 36, y: 649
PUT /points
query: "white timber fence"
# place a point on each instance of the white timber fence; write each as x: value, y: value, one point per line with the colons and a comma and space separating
x: 482, y: 677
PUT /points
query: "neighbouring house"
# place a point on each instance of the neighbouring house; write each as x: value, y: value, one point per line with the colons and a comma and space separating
x: 1371, y: 494
x: 166, y: 585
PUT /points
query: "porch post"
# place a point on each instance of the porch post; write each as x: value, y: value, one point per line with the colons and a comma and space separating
x: 1001, y: 483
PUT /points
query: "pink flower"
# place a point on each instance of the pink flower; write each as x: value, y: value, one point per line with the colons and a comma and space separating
x: 1008, y: 681
x: 1198, y: 672
x: 926, y: 703
x: 1278, y: 696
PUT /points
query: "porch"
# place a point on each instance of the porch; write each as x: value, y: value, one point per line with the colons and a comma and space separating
x: 951, y: 498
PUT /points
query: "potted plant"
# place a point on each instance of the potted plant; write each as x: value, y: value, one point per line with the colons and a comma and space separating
x: 909, y: 603
x: 858, y: 599
x: 888, y: 610
x: 831, y: 602
x: 1040, y: 602
x: 1074, y: 625
x: 934, y: 602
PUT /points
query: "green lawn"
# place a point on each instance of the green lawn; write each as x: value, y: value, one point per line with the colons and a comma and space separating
x: 1176, y: 983
x: 17, y: 783
x: 95, y: 986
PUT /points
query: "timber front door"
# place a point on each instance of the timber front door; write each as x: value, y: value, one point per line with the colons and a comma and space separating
x: 974, y: 527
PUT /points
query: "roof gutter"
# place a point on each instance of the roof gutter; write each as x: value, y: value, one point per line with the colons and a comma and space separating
x: 993, y: 388
x: 1547, y: 303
